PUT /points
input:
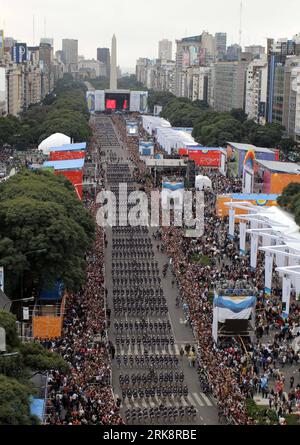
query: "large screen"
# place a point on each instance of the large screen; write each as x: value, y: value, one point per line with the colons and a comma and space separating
x: 111, y: 104
x: 117, y: 101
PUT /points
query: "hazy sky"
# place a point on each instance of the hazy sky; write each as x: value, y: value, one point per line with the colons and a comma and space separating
x: 140, y: 24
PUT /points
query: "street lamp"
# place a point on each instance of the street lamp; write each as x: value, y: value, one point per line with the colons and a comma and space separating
x: 23, y: 300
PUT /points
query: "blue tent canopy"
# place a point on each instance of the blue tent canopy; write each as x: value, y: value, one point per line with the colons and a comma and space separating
x: 54, y: 294
x: 37, y: 408
x: 72, y: 164
x: 70, y: 147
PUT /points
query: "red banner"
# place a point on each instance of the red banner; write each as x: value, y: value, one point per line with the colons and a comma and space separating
x: 203, y: 158
x: 76, y: 177
x: 66, y: 155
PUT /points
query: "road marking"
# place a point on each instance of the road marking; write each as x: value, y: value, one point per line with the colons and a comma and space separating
x: 199, y: 400
x: 183, y: 401
x: 208, y: 402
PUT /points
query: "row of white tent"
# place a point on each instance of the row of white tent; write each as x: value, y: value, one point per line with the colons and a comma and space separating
x: 166, y: 136
x: 53, y: 141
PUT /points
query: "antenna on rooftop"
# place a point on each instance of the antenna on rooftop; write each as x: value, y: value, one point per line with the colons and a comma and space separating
x: 45, y: 26
x: 33, y: 31
x: 241, y: 23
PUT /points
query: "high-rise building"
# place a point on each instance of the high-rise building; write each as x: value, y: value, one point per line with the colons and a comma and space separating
x: 256, y: 90
x: 91, y: 69
x: 141, y: 69
x: 291, y: 92
x: 70, y: 50
x: 165, y: 49
x: 192, y: 52
x: 221, y: 44
x: 255, y: 50
x: 103, y: 55
x: 195, y: 83
x: 113, y: 65
x: 45, y: 64
x: 187, y: 54
x: 15, y: 89
x: 3, y: 95
x: 233, y: 53
x: 278, y: 53
x: 229, y: 85
x: 47, y: 40
x: 2, y: 44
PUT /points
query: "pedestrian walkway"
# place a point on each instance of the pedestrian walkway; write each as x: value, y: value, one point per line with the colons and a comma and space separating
x: 198, y: 400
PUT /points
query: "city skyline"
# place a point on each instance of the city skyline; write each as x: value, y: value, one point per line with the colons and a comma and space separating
x: 166, y: 17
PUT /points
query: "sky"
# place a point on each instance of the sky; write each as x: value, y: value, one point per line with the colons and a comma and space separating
x: 140, y: 24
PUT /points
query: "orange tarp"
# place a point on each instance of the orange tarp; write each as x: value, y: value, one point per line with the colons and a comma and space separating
x: 279, y: 181
x: 223, y: 211
x: 47, y: 327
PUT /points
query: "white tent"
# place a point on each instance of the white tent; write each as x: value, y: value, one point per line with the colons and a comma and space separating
x: 55, y: 140
x: 203, y: 182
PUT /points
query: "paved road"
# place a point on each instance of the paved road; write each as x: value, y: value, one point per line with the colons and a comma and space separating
x: 206, y: 409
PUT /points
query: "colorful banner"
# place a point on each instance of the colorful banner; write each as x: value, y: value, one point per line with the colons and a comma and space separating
x: 90, y: 98
x: 2, y: 278
x: 286, y: 295
x: 233, y: 308
x: 146, y: 148
x: 243, y: 228
x: 66, y: 155
x: 203, y: 156
x: 231, y: 223
x: 255, y: 199
x: 173, y: 186
x: 76, y: 177
x: 254, y: 250
x: 132, y: 128
x: 269, y: 259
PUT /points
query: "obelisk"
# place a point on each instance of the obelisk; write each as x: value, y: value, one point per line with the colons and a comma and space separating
x: 113, y: 64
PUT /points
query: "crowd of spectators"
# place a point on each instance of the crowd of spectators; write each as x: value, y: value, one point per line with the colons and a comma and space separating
x: 235, y: 371
x: 85, y: 395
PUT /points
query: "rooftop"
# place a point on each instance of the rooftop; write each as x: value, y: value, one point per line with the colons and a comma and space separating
x: 70, y: 147
x: 282, y: 167
x: 165, y: 163
x: 247, y: 147
x: 73, y: 164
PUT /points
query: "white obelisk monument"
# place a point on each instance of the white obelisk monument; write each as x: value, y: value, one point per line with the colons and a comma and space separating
x: 113, y: 65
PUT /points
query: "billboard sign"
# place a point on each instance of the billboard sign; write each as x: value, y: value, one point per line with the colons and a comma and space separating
x: 143, y: 102
x: 90, y: 98
x: 19, y: 53
x: 99, y: 100
x: 132, y: 128
x: 146, y: 148
x: 2, y: 278
x: 135, y: 101
x: 204, y: 157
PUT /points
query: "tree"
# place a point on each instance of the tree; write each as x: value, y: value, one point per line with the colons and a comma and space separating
x: 287, y: 145
x: 28, y: 359
x: 15, y: 403
x: 64, y: 111
x: 239, y: 114
x: 161, y: 98
x: 8, y: 322
x: 37, y: 358
x: 41, y: 214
